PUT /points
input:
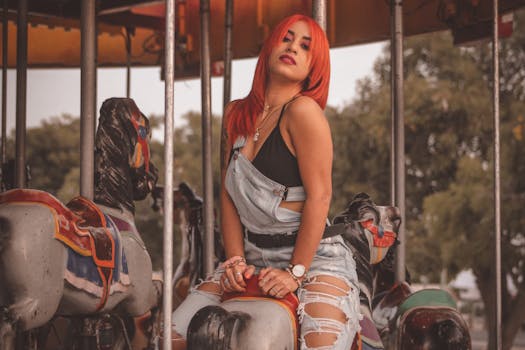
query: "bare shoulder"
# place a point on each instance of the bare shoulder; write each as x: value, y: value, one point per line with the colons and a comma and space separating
x: 304, y: 112
x: 304, y: 105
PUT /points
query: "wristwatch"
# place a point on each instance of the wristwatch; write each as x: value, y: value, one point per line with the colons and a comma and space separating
x: 297, y: 270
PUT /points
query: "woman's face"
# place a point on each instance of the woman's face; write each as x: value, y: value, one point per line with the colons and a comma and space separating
x: 291, y: 57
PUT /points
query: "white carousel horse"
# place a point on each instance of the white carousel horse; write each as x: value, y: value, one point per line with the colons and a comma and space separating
x: 41, y: 240
x: 254, y: 321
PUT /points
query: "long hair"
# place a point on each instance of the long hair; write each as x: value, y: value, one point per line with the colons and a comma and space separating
x: 241, y: 119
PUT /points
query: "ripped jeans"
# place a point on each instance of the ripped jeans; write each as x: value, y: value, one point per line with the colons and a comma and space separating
x: 328, y: 299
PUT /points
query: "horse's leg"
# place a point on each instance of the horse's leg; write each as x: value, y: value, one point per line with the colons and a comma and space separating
x: 7, y: 330
x: 329, y: 309
x: 143, y: 293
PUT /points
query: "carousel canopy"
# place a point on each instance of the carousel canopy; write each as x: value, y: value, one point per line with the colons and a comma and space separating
x: 54, y: 30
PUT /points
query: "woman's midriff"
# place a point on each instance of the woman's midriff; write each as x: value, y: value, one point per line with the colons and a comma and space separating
x: 295, y: 206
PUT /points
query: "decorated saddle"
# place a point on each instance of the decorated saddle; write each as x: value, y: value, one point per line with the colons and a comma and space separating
x: 96, y: 262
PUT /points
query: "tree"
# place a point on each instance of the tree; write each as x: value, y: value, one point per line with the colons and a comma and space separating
x: 449, y: 159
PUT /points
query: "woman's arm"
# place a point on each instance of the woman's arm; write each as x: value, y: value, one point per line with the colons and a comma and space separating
x: 231, y: 228
x: 311, y: 142
x: 307, y: 134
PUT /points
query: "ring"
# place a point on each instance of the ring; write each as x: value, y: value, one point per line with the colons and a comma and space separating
x: 238, y: 273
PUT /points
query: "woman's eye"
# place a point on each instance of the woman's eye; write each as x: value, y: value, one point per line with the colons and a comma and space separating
x: 287, y: 38
x: 305, y: 46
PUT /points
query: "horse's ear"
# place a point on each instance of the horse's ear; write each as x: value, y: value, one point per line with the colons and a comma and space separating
x: 361, y: 195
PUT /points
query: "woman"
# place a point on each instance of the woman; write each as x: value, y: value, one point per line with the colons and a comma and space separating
x: 277, y: 160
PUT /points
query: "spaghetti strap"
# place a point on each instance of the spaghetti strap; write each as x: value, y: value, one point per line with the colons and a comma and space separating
x: 284, y: 107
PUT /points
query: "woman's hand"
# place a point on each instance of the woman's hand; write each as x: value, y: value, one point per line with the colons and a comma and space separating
x: 276, y: 283
x: 232, y: 279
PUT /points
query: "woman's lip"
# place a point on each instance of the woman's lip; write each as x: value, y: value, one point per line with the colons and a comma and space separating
x: 287, y: 59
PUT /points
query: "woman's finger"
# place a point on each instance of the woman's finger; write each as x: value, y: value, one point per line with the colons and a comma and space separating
x: 264, y: 271
x: 233, y: 282
x: 250, y: 270
x: 237, y: 272
x: 225, y: 283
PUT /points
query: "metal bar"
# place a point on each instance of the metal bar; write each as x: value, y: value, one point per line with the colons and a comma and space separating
x: 497, y: 181
x: 21, y: 94
x: 169, y: 59
x: 88, y: 98
x: 228, y: 53
x: 5, y: 36
x: 398, y: 130
x: 128, y: 62
x: 206, y: 136
x: 319, y: 12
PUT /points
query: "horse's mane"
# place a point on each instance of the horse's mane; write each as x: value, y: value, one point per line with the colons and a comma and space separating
x: 114, y: 143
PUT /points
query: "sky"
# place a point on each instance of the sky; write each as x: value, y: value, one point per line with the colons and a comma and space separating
x: 51, y: 93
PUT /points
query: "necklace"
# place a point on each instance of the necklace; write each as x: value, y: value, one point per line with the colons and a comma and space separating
x: 266, y: 113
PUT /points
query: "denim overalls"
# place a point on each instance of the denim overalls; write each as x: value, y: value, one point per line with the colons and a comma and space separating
x: 257, y: 200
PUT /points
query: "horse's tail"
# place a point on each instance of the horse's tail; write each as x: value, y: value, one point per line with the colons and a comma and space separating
x: 213, y: 327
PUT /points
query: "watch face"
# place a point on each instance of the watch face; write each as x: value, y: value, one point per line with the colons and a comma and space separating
x: 298, y: 270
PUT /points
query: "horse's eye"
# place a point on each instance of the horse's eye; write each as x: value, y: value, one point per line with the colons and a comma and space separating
x: 143, y: 132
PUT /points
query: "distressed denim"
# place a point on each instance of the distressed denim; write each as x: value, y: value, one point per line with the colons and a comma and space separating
x: 257, y: 200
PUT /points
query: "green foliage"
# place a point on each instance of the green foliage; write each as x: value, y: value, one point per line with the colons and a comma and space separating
x: 188, y: 153
x: 449, y: 158
x: 52, y: 150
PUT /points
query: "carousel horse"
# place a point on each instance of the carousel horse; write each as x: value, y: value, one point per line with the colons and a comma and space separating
x: 371, y: 233
x: 243, y: 319
x: 83, y: 261
x: 403, y: 319
x: 187, y: 213
x: 408, y: 320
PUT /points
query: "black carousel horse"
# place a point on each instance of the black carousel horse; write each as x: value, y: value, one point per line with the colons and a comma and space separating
x: 188, y: 214
x: 85, y: 260
x: 405, y: 320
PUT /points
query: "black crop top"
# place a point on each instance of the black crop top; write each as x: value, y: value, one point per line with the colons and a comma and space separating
x: 275, y: 160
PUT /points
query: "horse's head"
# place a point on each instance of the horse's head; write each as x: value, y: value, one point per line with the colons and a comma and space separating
x: 185, y: 201
x: 143, y: 173
x: 123, y: 171
x: 368, y: 222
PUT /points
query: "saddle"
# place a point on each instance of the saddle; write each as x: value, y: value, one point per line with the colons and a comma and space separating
x: 80, y: 225
x: 290, y: 303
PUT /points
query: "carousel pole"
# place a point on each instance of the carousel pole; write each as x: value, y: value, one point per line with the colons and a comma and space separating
x: 169, y: 75
x: 497, y: 180
x: 319, y: 12
x: 88, y: 100
x: 228, y: 54
x: 128, y: 62
x: 398, y: 130
x: 206, y: 135
x: 5, y: 28
x: 21, y: 94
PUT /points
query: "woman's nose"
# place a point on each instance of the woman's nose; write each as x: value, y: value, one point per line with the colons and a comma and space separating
x: 291, y: 48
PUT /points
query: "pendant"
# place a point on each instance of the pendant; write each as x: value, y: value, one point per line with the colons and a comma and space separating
x: 256, y: 135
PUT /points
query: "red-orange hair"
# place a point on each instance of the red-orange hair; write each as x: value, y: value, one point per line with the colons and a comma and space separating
x: 241, y: 118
